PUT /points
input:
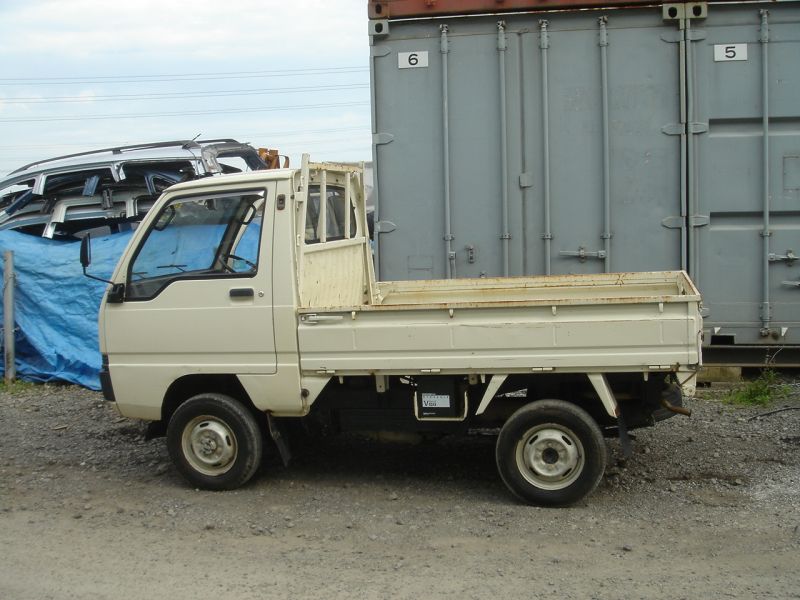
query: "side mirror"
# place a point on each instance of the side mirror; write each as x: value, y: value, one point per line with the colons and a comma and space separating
x: 86, y: 251
x: 86, y: 259
x: 165, y: 218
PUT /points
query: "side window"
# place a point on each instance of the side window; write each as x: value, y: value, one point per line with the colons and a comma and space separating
x: 335, y: 213
x: 353, y: 227
x: 336, y: 208
x: 198, y: 238
x: 313, y: 230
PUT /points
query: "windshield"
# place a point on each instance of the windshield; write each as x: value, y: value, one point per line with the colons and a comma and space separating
x: 198, y: 237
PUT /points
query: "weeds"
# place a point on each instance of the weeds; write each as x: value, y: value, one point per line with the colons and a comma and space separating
x: 16, y: 387
x: 760, y: 392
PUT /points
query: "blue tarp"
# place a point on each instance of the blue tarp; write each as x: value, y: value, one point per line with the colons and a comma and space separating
x: 56, y: 306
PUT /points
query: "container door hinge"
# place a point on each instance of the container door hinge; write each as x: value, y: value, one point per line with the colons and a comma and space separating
x: 680, y: 128
x: 695, y: 35
x: 379, y: 51
x: 766, y: 311
x: 672, y: 222
x: 525, y: 180
x: 382, y: 138
x: 699, y: 220
x: 385, y: 227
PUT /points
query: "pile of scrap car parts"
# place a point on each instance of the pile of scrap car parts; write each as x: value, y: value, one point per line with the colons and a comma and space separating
x: 109, y: 190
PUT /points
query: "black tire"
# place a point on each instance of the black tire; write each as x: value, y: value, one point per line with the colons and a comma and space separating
x: 215, y: 442
x: 551, y: 453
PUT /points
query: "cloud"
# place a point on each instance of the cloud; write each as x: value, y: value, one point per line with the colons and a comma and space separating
x: 214, y: 30
x: 96, y: 39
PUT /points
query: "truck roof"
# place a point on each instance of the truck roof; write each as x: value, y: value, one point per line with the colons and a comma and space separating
x: 150, y: 151
x: 234, y: 178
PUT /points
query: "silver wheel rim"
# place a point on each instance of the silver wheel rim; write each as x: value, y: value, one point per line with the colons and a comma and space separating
x: 209, y: 445
x: 550, y: 456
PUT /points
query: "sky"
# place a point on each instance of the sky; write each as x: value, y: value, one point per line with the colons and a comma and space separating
x: 86, y: 74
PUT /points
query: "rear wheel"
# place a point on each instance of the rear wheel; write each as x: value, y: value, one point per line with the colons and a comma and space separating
x: 551, y: 452
x: 215, y: 442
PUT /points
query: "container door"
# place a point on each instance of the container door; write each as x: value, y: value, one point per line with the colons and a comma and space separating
x: 528, y: 144
x: 746, y: 171
x: 408, y: 181
x: 603, y: 127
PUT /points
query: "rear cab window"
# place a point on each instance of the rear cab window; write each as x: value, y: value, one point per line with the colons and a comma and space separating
x: 339, y: 221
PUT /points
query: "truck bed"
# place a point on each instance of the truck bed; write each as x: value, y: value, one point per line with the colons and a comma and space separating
x: 673, y: 286
x: 628, y: 321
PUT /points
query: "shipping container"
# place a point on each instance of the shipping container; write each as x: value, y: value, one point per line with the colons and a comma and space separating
x: 618, y: 139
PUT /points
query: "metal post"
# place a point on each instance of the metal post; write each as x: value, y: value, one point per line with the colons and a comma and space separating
x: 9, y: 281
x: 544, y: 44
x: 606, y: 145
x: 450, y: 263
x: 684, y: 154
x: 348, y: 190
x: 322, y: 224
x: 692, y: 204
x: 523, y: 150
x: 376, y: 215
x: 766, y: 309
x: 502, y: 46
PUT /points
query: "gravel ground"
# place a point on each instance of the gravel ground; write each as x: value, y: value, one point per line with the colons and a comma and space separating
x: 708, y: 507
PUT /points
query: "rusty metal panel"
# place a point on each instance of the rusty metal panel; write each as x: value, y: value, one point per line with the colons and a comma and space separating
x: 403, y: 9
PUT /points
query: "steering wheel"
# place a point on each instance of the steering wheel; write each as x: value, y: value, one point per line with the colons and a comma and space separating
x: 224, y: 260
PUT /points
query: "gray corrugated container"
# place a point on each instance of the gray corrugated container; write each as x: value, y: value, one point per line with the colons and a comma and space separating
x: 598, y: 140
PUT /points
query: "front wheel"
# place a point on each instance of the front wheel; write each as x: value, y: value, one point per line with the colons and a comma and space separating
x: 551, y: 452
x: 214, y: 442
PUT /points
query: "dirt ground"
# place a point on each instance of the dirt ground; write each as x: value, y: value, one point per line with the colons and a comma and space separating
x: 708, y: 507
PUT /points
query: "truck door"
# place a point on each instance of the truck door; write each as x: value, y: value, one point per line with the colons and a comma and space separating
x: 198, y: 291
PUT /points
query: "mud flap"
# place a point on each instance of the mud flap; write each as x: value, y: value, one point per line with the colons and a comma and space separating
x: 279, y: 439
x: 624, y: 438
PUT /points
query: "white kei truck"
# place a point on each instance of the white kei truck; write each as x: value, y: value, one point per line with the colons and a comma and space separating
x: 245, y: 301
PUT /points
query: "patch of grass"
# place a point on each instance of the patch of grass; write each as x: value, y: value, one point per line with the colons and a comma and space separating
x: 760, y: 392
x: 16, y: 387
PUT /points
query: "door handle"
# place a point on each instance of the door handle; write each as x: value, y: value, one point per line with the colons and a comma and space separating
x: 241, y: 293
x: 313, y: 319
